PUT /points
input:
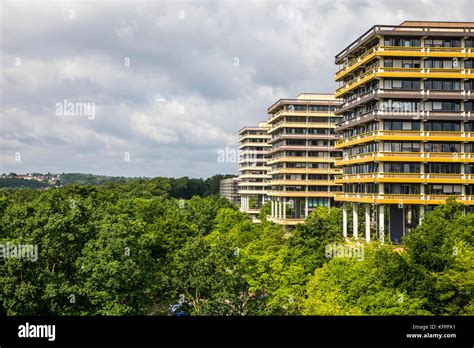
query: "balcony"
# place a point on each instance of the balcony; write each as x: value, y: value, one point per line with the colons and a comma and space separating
x: 412, y: 178
x: 287, y: 221
x: 405, y: 115
x: 303, y: 182
x: 285, y: 124
x: 278, y: 137
x: 301, y: 148
x: 382, y: 156
x: 306, y: 159
x: 402, y: 51
x: 253, y: 168
x: 402, y: 94
x: 253, y: 136
x: 404, y: 73
x: 263, y: 190
x: 302, y: 113
x: 404, y: 136
x: 375, y: 198
x: 247, y: 144
x: 335, y: 171
x: 329, y: 194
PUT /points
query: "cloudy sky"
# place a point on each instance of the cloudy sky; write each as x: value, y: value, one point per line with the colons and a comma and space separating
x: 157, y: 88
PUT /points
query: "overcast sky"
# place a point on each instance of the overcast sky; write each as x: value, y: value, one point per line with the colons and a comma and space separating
x: 169, y: 84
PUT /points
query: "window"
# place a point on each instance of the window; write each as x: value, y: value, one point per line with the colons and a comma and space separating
x: 469, y: 85
x: 442, y: 126
x: 319, y: 108
x: 441, y: 85
x: 401, y: 147
x: 469, y: 106
x: 402, y: 84
x: 443, y: 168
x: 443, y: 106
x: 388, y: 63
x: 398, y: 125
x: 435, y: 42
x: 442, y: 147
x: 404, y: 189
x: 407, y: 42
x: 469, y: 168
x: 395, y: 167
x: 444, y: 189
x: 400, y: 105
x: 441, y: 64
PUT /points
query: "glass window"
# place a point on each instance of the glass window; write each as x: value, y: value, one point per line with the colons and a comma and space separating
x: 396, y: 84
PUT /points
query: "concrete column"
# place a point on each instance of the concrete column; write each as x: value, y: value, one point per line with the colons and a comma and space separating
x: 422, y: 213
x: 284, y: 208
x: 344, y: 220
x: 355, y: 221
x: 381, y: 223
x: 409, y: 218
x: 273, y: 207
x: 367, y: 223
x: 306, y: 207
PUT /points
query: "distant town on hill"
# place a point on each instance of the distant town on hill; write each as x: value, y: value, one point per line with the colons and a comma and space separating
x: 183, y: 187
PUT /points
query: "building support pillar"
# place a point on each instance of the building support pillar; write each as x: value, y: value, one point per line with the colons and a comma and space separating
x: 367, y: 223
x: 272, y: 203
x: 355, y: 220
x: 306, y: 207
x: 284, y: 208
x: 344, y: 220
x: 422, y: 213
x: 382, y: 223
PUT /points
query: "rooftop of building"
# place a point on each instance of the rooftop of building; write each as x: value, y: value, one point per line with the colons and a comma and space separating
x: 260, y: 126
x: 307, y: 99
x: 413, y: 28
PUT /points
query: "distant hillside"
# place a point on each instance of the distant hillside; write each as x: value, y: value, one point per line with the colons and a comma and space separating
x: 90, y: 179
x: 183, y: 187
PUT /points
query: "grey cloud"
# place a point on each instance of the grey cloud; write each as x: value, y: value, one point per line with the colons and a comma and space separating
x: 283, y: 48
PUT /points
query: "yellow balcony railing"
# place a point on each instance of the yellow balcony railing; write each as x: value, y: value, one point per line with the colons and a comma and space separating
x: 301, y: 193
x: 404, y: 135
x: 420, y: 199
x: 385, y: 156
x: 303, y: 182
x: 402, y: 51
x: 406, y: 178
x: 404, y: 72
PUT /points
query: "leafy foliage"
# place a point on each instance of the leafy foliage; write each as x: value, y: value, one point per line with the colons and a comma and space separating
x: 131, y: 248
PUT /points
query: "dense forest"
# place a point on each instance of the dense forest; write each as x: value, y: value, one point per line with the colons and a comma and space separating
x: 183, y: 187
x: 133, y: 249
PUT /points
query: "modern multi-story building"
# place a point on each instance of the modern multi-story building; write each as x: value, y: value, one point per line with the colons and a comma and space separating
x: 229, y: 188
x: 253, y: 169
x: 407, y: 123
x: 302, y: 156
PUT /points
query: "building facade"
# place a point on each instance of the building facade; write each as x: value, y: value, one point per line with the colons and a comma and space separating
x: 229, y: 188
x: 407, y: 124
x: 302, y: 156
x: 253, y: 149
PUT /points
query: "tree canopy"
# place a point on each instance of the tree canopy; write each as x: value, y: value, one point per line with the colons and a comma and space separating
x: 132, y: 248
